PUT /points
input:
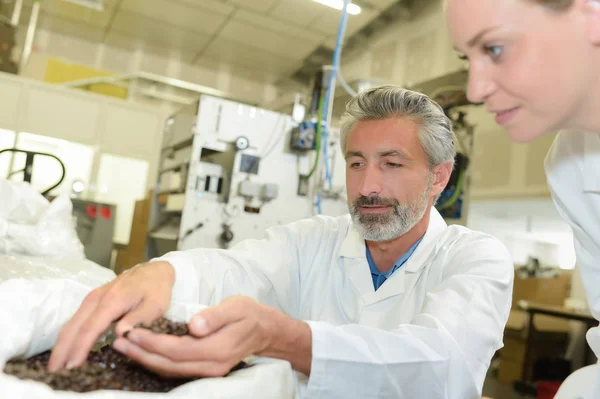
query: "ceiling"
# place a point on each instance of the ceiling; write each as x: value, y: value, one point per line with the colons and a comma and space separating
x: 275, y: 36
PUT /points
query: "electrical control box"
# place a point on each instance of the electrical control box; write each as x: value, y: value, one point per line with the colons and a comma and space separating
x: 269, y: 191
x: 304, y: 136
x: 249, y: 189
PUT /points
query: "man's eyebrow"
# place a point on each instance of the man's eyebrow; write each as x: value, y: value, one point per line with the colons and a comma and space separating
x: 394, y: 153
x: 351, y: 154
x: 381, y: 154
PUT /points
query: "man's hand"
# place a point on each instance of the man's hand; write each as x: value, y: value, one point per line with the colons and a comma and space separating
x: 141, y: 295
x: 221, y: 337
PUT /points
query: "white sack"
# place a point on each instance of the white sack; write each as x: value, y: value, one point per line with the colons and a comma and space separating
x: 30, y: 225
x: 35, y: 267
x: 32, y: 312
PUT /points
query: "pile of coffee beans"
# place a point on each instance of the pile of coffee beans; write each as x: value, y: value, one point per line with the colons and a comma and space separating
x: 104, y: 369
x: 166, y: 326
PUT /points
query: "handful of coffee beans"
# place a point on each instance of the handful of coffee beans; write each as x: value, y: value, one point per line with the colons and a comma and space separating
x: 104, y: 369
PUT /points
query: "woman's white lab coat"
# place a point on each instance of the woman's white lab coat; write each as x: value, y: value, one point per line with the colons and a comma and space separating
x: 573, y: 173
x: 428, y: 332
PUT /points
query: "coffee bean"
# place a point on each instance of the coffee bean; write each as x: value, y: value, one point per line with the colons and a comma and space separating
x: 104, y: 368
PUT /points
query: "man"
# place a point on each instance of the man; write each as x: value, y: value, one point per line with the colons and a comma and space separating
x: 385, y: 302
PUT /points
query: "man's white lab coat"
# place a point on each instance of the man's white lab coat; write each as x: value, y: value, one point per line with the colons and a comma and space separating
x: 428, y: 332
x: 573, y: 173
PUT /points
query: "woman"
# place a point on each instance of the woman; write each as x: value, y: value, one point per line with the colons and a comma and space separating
x: 536, y: 66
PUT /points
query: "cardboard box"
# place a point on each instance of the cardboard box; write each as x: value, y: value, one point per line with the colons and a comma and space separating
x: 548, y: 291
x: 510, y: 371
x: 136, y: 250
x: 551, y: 333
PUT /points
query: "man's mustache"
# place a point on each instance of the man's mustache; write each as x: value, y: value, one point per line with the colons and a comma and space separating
x: 372, y: 201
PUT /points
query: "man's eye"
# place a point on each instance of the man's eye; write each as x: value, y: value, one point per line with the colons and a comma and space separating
x: 394, y: 165
x: 463, y: 57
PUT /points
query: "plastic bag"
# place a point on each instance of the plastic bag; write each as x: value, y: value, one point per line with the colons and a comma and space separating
x: 21, y: 203
x: 30, y: 225
x: 34, y: 267
x: 33, y: 311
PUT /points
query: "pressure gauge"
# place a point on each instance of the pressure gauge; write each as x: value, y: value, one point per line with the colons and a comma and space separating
x: 241, y: 143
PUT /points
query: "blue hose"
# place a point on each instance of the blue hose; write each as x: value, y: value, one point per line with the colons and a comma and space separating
x: 319, y: 204
x: 336, y: 62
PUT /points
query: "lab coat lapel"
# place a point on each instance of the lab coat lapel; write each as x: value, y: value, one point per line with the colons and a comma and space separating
x: 356, y: 266
x: 397, y: 283
x: 591, y: 159
x: 426, y: 248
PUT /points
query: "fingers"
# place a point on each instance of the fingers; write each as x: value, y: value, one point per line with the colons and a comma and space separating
x: 66, y: 338
x: 146, y: 311
x: 145, y: 292
x: 108, y: 310
x: 229, y: 342
x: 213, y: 319
x: 168, y: 368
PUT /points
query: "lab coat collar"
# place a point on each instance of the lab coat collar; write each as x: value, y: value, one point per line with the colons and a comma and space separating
x: 353, y: 245
x: 357, y: 268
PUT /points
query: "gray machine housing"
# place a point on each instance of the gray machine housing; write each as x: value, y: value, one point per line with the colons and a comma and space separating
x: 227, y: 173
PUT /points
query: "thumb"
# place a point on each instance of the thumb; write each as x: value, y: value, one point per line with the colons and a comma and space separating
x: 213, y: 319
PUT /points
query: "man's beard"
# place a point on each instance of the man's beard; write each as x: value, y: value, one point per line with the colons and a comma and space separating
x: 391, y: 225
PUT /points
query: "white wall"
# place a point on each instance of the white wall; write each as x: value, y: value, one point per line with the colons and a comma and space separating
x: 91, y: 133
x: 529, y: 227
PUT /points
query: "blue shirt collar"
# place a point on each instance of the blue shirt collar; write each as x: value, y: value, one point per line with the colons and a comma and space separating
x: 379, y: 277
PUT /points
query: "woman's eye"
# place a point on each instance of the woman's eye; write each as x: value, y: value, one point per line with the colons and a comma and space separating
x: 494, y: 51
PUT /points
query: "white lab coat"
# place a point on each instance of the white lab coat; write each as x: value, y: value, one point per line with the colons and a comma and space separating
x: 428, y: 332
x: 573, y: 172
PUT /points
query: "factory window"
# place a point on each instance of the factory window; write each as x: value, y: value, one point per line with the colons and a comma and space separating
x: 76, y: 157
x: 529, y: 228
x: 121, y: 181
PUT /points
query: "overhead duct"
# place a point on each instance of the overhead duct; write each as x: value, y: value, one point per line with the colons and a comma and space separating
x: 322, y: 55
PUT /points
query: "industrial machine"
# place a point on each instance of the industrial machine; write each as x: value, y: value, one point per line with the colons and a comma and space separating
x: 95, y: 227
x: 228, y: 171
x: 449, y: 91
x: 7, y: 43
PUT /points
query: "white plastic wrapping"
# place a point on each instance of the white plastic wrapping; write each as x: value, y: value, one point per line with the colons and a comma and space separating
x: 35, y: 267
x: 32, y: 312
x: 30, y: 225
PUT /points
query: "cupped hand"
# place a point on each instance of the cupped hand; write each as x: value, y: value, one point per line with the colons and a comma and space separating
x: 140, y: 295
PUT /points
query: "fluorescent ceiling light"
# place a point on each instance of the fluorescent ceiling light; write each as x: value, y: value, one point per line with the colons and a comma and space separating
x: 353, y: 9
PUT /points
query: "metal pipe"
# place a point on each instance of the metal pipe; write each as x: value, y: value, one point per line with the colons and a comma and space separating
x: 11, y: 163
x: 30, y: 35
x: 16, y: 15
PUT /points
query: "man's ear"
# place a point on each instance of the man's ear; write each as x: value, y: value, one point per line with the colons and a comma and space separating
x: 591, y: 10
x: 441, y: 175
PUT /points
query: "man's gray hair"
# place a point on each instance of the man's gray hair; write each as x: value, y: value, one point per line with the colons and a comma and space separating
x: 385, y: 102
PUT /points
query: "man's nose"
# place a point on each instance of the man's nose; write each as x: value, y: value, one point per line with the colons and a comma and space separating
x: 371, y: 183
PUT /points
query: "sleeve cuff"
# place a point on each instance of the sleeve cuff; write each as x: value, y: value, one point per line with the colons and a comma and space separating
x: 318, y: 366
x: 184, y: 288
